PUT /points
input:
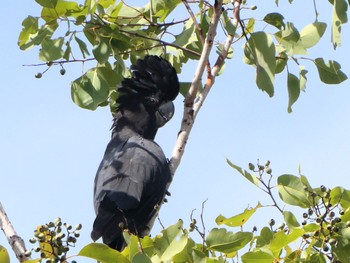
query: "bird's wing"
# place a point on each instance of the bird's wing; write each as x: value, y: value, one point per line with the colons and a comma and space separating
x: 129, y: 183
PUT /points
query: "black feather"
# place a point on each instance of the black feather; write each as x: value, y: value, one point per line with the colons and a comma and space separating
x: 131, y: 180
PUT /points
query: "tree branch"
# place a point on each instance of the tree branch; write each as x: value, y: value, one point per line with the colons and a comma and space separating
x: 188, y: 115
x: 192, y: 106
x: 14, y: 240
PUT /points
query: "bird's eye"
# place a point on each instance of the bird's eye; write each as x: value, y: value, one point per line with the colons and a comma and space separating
x: 152, y: 101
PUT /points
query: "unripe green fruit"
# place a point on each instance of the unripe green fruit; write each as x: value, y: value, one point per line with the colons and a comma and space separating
x: 38, y: 75
x: 62, y: 71
x: 325, y: 248
x: 268, y: 170
x: 332, y: 241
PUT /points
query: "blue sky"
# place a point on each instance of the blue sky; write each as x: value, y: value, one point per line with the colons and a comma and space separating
x: 50, y: 149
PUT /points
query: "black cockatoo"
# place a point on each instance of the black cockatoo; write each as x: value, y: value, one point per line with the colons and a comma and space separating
x: 131, y: 180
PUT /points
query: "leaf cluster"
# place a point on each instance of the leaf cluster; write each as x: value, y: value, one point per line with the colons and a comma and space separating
x: 322, y: 232
x: 113, y: 32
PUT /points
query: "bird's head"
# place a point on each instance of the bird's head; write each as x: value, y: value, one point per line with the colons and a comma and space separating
x: 150, y: 91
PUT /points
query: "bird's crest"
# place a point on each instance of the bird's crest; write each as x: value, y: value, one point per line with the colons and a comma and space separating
x: 154, y: 81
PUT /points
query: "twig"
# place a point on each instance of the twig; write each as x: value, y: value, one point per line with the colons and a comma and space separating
x: 161, y: 41
x: 15, y: 241
x: 202, y: 221
x: 59, y: 62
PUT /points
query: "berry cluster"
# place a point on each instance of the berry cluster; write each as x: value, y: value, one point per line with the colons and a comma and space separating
x: 328, y: 216
x: 54, y: 240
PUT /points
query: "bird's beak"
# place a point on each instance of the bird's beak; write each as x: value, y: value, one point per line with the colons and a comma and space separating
x: 164, y: 113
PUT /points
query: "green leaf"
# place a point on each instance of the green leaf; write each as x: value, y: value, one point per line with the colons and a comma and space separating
x: 290, y: 219
x: 29, y: 30
x: 342, y: 248
x: 220, y: 47
x: 221, y: 240
x: 266, y: 235
x: 106, y: 3
x: 92, y: 89
x: 257, y: 257
x: 302, y: 78
x: 316, y: 258
x: 250, y: 25
x: 289, y: 39
x: 227, y: 23
x: 259, y: 51
x: 47, y: 3
x: 37, y: 260
x: 186, y: 254
x: 293, y: 257
x: 51, y: 49
x: 185, y: 87
x: 62, y: 8
x: 329, y: 73
x: 312, y: 227
x: 82, y: 46
x: 311, y: 34
x: 237, y: 220
x: 101, y: 49
x: 162, y: 8
x: 141, y: 258
x: 67, y: 52
x: 291, y: 191
x: 281, y: 239
x: 171, y: 242
x: 281, y: 62
x: 275, y: 19
x: 44, y: 32
x: 4, y: 255
x: 102, y: 253
x: 188, y: 38
x: 293, y: 90
x: 340, y: 195
x: 339, y: 17
x: 250, y: 177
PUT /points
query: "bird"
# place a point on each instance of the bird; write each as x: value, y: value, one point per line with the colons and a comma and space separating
x: 132, y: 179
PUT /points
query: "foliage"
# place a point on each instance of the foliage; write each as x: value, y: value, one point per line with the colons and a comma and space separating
x: 321, y: 234
x: 113, y: 32
x: 4, y: 256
